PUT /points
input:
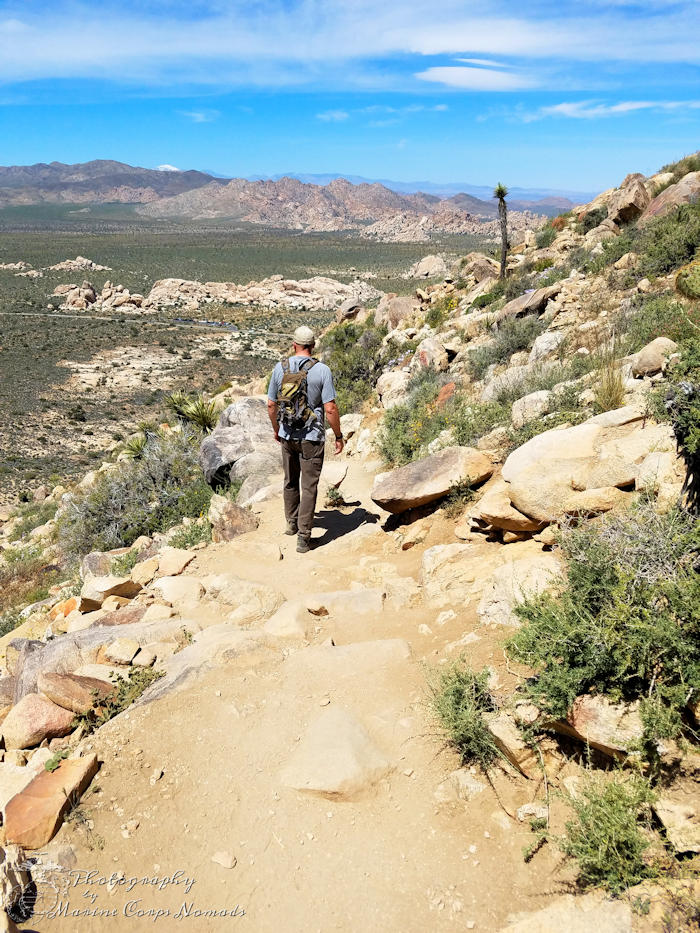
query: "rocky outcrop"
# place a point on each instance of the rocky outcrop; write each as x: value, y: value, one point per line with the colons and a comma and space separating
x: 513, y: 583
x: 652, y: 358
x: 429, y: 267
x: 683, y: 192
x: 34, y: 719
x: 315, y: 294
x: 629, y: 201
x: 429, y: 479
x: 242, y: 444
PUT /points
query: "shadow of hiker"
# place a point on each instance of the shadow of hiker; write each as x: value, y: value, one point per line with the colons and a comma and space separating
x: 337, y: 523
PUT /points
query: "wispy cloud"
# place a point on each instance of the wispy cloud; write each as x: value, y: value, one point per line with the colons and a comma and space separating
x: 594, y: 110
x: 333, y: 116
x: 338, y: 43
x: 477, y: 79
x: 200, y: 116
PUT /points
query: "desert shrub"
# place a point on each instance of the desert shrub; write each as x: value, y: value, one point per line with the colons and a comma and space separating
x: 438, y: 311
x: 680, y: 402
x: 353, y: 352
x: 545, y: 377
x: 609, y: 390
x: 688, y: 280
x: 124, y: 563
x: 459, y: 698
x: 626, y: 622
x: 25, y: 577
x: 470, y: 421
x: 482, y: 301
x: 138, y: 497
x: 594, y: 219
x: 541, y: 265
x: 189, y: 535
x: 32, y: 516
x: 512, y: 335
x: 689, y: 163
x: 193, y: 409
x: 546, y: 236
x: 659, y: 316
x: 670, y: 241
x: 409, y: 426
x: 610, y: 832
x: 126, y: 691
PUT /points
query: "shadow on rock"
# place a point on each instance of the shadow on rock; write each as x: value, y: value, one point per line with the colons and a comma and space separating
x: 337, y: 524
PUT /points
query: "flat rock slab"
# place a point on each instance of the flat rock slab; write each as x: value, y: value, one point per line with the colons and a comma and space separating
x: 173, y: 560
x: 97, y: 589
x: 179, y: 590
x: 513, y: 583
x: 430, y: 479
x: 14, y: 778
x: 681, y: 821
x: 121, y: 651
x: 570, y: 914
x: 609, y: 727
x: 34, y: 719
x: 335, y: 758
x: 71, y: 691
x: 34, y: 815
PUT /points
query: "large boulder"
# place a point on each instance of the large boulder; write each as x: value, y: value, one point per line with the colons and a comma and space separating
x: 34, y: 815
x: 72, y: 692
x: 652, y: 358
x: 392, y: 311
x: 496, y: 508
x: 683, y: 192
x: 531, y: 406
x: 576, y: 914
x: 430, y: 479
x: 229, y: 520
x: 391, y: 387
x: 429, y: 267
x: 529, y: 303
x: 513, y: 583
x: 34, y: 719
x: 244, y: 428
x: 480, y: 266
x: 584, y: 470
x: 430, y: 354
x: 629, y: 201
x: 612, y: 728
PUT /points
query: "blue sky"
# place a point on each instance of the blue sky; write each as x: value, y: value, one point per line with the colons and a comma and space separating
x: 569, y: 95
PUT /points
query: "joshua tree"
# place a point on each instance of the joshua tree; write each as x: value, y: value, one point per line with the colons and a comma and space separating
x: 500, y: 192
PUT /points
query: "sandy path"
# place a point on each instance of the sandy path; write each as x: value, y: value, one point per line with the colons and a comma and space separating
x: 393, y: 859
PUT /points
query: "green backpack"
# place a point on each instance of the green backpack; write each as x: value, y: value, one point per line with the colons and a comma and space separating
x: 293, y: 409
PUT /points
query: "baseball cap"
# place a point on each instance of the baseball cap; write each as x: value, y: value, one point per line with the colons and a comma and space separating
x: 304, y: 336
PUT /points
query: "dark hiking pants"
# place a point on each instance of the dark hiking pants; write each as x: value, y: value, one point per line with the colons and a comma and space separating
x: 302, y: 462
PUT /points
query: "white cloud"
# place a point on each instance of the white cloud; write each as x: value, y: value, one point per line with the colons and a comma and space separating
x: 483, y: 62
x: 167, y: 168
x: 333, y: 116
x: 476, y: 79
x: 593, y: 110
x: 200, y: 116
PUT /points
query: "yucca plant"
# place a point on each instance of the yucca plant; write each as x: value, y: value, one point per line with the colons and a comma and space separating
x: 135, y: 446
x: 193, y: 409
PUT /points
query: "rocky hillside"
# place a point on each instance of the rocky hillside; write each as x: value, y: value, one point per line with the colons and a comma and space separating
x: 99, y: 182
x: 340, y: 205
x: 507, y: 551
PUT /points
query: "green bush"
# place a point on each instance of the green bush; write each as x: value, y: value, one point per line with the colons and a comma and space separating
x: 193, y: 409
x: 680, y: 403
x: 414, y: 423
x: 438, y: 312
x: 658, y: 316
x: 610, y: 833
x: 670, y: 241
x: 594, y: 219
x: 512, y: 335
x: 627, y: 621
x: 353, y: 352
x: 126, y: 691
x: 459, y: 698
x: 546, y: 236
x: 690, y: 163
x: 688, y: 280
x: 31, y: 517
x: 138, y: 497
x: 189, y: 535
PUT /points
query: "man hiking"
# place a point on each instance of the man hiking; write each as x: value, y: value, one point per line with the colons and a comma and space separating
x: 301, y: 392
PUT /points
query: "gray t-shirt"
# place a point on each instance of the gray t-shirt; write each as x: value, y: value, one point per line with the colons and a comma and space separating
x: 319, y: 391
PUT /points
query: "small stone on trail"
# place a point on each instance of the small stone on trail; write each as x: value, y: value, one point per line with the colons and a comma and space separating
x: 225, y: 859
x: 156, y: 776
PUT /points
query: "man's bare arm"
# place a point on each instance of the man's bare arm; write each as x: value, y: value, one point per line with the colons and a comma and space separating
x: 333, y: 418
x: 272, y: 414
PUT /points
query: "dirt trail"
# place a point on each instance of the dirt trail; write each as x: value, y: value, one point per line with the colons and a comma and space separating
x: 393, y: 858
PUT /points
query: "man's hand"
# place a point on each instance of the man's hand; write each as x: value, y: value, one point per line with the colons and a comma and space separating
x: 339, y: 444
x: 272, y: 414
x: 333, y: 418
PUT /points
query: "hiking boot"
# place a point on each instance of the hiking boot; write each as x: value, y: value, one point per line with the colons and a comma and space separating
x: 291, y: 528
x: 303, y: 544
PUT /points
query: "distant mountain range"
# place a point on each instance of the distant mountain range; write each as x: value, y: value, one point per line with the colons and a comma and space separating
x: 305, y: 202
